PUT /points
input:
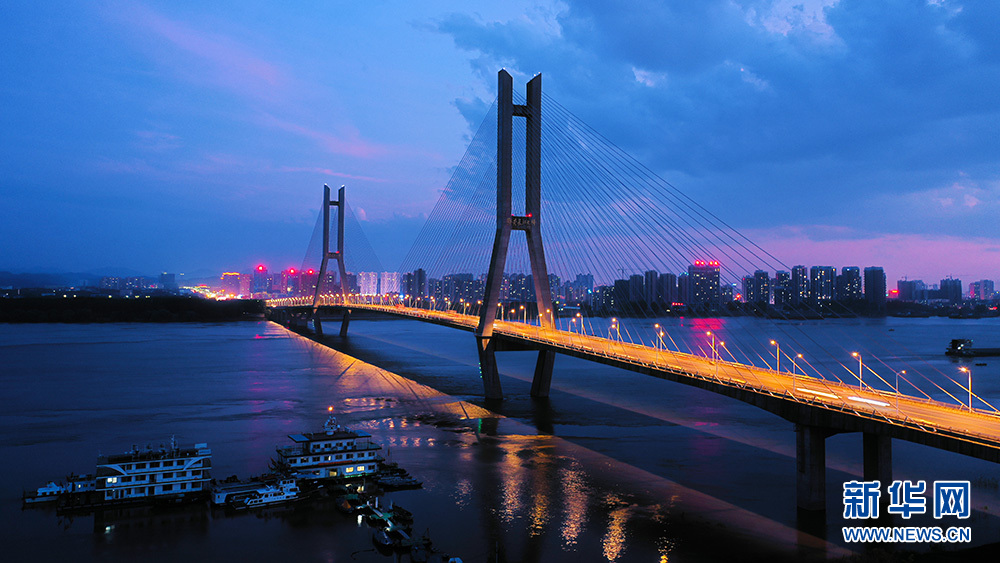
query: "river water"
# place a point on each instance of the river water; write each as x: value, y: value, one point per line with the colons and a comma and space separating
x: 614, y: 466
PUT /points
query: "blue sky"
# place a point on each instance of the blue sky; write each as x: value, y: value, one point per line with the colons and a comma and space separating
x: 187, y: 137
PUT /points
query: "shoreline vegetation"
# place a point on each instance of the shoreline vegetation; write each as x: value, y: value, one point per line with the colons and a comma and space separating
x: 154, y: 309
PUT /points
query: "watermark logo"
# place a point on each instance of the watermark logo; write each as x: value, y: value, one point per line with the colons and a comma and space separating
x: 861, y: 499
x: 951, y: 498
x: 906, y: 498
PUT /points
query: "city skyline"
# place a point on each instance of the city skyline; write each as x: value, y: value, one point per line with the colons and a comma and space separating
x: 179, y: 137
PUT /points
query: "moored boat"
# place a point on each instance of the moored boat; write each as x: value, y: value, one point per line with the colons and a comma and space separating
x: 286, y: 490
x: 336, y: 452
x: 149, y: 475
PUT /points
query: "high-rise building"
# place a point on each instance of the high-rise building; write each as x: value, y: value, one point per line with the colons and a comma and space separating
x: 782, y: 284
x: 800, y: 285
x: 875, y: 289
x: 822, y: 283
x: 981, y: 290
x: 651, y: 287
x: 911, y: 290
x: 389, y: 282
x: 230, y: 284
x: 636, y: 293
x: 112, y: 283
x: 368, y: 283
x: 951, y: 289
x: 261, y: 282
x: 668, y: 289
x: 168, y: 281
x: 704, y: 286
x: 849, y: 284
x: 416, y: 283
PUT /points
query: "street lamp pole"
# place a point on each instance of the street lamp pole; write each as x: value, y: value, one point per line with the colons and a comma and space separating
x: 897, y: 389
x: 777, y: 355
x: 964, y: 369
x: 861, y: 368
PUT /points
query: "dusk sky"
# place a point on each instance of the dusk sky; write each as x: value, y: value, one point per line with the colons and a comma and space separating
x: 194, y: 137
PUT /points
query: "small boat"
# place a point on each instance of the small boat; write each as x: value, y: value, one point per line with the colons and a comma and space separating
x: 384, y: 542
x: 962, y: 347
x: 398, y: 482
x: 46, y: 493
x: 286, y: 490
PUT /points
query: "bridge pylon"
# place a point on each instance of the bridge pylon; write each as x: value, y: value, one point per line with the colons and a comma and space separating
x: 530, y: 223
x: 338, y: 255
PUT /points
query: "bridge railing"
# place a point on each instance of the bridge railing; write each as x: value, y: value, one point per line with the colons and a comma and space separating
x: 830, y: 394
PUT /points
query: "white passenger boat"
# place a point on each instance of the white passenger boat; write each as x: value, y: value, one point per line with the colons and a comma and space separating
x: 336, y: 452
x: 284, y: 491
x: 136, y: 476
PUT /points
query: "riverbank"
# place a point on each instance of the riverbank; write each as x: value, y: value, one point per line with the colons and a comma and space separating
x: 139, y: 310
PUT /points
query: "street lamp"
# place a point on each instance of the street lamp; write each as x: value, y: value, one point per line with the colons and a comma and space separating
x: 777, y: 355
x: 964, y: 369
x: 861, y: 368
x: 794, y: 369
x: 897, y: 389
x: 525, y: 314
x: 710, y: 333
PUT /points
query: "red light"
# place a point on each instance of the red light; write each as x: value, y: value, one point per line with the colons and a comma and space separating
x: 260, y: 268
x: 529, y: 214
x: 310, y: 272
x: 291, y: 271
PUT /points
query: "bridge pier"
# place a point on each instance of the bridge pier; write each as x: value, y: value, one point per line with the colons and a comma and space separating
x: 542, y: 380
x: 488, y: 368
x: 317, y: 324
x: 345, y: 322
x: 877, y: 458
x: 810, y: 467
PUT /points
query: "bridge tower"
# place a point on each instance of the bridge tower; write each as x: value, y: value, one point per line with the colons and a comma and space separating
x: 530, y: 223
x: 327, y: 255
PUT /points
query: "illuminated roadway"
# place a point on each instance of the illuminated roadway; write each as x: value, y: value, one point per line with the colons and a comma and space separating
x: 975, y: 433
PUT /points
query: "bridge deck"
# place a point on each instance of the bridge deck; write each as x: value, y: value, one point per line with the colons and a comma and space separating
x: 830, y: 404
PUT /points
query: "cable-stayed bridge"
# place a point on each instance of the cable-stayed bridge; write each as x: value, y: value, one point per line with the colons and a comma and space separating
x: 602, y: 213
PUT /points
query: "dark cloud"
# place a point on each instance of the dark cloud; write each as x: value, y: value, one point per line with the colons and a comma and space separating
x: 823, y: 105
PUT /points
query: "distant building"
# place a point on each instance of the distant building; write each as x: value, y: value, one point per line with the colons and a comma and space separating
x: 651, y: 287
x: 704, y: 284
x: 849, y: 284
x: 230, y: 284
x: 668, y: 289
x: 911, y: 290
x: 389, y: 282
x: 981, y: 290
x: 951, y: 289
x: 368, y: 283
x: 821, y: 283
x: 782, y: 284
x: 168, y: 281
x: 112, y: 283
x: 800, y: 285
x: 261, y: 281
x: 875, y: 289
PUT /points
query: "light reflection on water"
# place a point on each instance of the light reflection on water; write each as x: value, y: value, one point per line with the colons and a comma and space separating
x: 488, y: 480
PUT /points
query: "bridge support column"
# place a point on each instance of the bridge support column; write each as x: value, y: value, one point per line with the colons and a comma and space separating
x: 317, y: 324
x: 488, y: 368
x: 530, y: 223
x: 345, y: 322
x: 810, y: 467
x: 878, y: 458
x: 543, y: 374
